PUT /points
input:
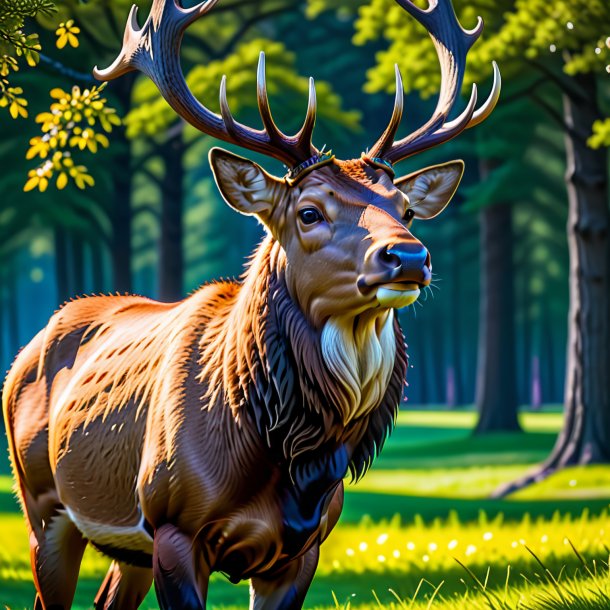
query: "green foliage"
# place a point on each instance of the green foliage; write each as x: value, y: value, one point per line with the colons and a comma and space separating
x: 153, y: 115
x: 515, y: 33
x: 342, y: 8
x: 16, y: 45
x: 601, y: 134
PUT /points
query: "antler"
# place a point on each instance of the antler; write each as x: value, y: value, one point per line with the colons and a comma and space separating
x: 452, y: 44
x: 154, y: 50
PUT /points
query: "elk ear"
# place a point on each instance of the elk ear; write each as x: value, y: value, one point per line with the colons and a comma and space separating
x: 244, y: 185
x: 429, y: 190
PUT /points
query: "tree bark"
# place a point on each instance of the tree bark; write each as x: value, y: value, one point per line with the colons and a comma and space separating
x: 585, y: 437
x: 171, y: 258
x: 496, y: 369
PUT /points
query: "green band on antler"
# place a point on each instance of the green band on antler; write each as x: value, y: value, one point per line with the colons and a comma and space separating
x: 318, y: 160
x: 383, y: 164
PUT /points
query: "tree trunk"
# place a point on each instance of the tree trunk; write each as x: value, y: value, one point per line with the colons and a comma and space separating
x: 62, y: 269
x: 547, y: 353
x: 496, y: 374
x: 524, y: 395
x: 120, y: 212
x: 97, y: 266
x: 456, y: 351
x: 171, y: 259
x: 13, y: 307
x: 585, y: 437
x: 77, y: 255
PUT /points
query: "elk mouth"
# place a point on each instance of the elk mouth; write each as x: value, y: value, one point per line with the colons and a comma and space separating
x: 398, y: 294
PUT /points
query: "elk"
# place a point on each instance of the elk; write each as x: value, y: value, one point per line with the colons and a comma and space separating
x: 214, y: 434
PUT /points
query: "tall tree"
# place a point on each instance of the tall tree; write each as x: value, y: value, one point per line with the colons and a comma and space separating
x: 565, y: 44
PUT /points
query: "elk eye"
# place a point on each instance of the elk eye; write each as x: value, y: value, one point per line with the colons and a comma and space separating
x: 310, y: 215
x: 409, y: 214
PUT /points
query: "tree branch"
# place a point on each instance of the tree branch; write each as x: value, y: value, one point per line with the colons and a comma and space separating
x: 56, y: 66
x: 247, y: 24
x: 566, y: 85
x: 530, y: 89
x: 195, y: 40
x: 556, y: 116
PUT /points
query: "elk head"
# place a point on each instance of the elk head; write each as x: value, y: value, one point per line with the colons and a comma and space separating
x: 344, y: 225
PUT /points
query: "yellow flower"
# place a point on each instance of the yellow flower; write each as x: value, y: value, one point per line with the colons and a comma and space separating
x: 66, y: 33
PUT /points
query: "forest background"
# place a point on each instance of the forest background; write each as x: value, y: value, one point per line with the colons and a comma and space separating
x: 107, y: 191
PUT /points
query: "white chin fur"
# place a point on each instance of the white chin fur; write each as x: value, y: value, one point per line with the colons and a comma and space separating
x: 396, y: 298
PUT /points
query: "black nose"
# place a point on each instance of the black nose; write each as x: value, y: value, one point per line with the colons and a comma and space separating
x: 411, y: 260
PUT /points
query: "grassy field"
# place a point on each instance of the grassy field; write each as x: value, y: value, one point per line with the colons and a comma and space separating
x: 420, y: 532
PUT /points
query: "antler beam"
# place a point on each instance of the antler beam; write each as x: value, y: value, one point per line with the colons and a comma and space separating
x: 452, y: 44
x: 154, y: 50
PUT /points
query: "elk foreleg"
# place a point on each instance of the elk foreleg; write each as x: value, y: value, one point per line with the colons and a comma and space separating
x: 124, y: 587
x: 56, y: 554
x: 286, y: 590
x: 178, y: 583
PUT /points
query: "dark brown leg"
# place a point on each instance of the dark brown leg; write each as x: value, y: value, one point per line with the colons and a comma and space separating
x: 124, y: 587
x: 177, y: 583
x: 287, y: 590
x: 56, y: 553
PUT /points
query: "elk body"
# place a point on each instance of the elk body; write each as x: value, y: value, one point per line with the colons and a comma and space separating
x: 214, y: 434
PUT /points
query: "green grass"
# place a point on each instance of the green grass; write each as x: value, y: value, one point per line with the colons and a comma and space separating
x: 426, y: 506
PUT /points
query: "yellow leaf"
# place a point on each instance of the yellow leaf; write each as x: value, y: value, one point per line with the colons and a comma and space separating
x: 73, y: 40
x: 31, y: 184
x: 42, y: 185
x: 62, y: 180
x: 61, y: 41
x: 57, y: 93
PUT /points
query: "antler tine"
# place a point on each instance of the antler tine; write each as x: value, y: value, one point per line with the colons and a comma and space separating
x: 452, y: 44
x: 449, y: 130
x: 263, y: 102
x: 490, y: 103
x: 225, y: 111
x: 387, y: 137
x: 302, y: 140
x: 305, y: 133
x: 154, y: 50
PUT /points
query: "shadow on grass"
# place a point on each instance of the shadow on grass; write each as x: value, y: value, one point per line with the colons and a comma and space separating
x: 443, y: 448
x: 385, y: 506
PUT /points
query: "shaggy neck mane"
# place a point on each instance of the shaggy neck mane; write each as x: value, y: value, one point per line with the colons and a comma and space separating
x: 304, y: 389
